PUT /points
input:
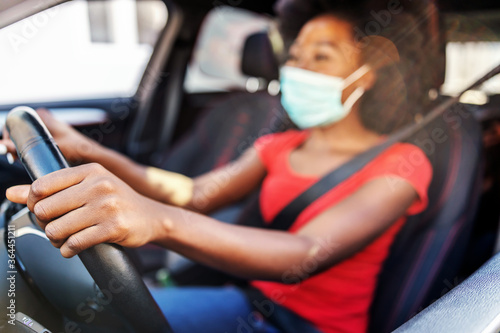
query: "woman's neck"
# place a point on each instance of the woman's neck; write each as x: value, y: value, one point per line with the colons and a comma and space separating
x: 347, y: 136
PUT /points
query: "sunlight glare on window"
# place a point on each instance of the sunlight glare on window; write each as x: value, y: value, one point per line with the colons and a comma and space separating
x: 79, y: 50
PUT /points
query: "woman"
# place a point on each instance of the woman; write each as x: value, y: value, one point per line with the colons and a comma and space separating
x: 318, y: 276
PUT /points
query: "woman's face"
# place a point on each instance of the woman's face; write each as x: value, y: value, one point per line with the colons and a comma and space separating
x: 326, y: 45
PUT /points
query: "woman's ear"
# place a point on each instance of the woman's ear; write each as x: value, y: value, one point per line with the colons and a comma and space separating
x: 377, y: 52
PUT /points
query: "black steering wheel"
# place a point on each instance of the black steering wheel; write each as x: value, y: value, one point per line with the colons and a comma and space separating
x: 105, y: 262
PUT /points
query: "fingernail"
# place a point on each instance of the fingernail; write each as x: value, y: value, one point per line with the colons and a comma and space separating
x: 10, y: 158
x: 3, y: 149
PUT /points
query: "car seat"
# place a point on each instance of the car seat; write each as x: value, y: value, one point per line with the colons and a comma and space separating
x: 425, y: 258
x: 231, y: 125
x: 471, y: 307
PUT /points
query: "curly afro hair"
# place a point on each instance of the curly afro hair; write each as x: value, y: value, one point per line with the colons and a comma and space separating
x: 402, y: 88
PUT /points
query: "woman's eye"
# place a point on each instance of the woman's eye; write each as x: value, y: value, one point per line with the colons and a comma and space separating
x: 292, y: 57
x: 321, y: 57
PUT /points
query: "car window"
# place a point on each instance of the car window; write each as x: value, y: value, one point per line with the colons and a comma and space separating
x: 79, y: 50
x: 216, y: 61
x: 473, y: 48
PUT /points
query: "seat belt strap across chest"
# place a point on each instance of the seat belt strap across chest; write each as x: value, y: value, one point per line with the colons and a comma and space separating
x: 287, y: 216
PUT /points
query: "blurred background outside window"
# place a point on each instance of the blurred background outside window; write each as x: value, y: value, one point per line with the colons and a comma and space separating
x: 472, y: 49
x: 79, y: 50
x: 216, y: 62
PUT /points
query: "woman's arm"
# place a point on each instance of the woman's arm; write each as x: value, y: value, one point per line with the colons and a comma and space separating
x: 329, y: 238
x: 202, y: 194
x: 87, y: 205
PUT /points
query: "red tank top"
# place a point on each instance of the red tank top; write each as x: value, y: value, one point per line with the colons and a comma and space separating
x: 338, y: 299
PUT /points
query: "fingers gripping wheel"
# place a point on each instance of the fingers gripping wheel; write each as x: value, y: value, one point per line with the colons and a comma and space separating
x: 106, y: 263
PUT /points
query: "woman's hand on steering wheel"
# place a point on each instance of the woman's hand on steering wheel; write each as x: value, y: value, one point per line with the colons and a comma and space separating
x: 75, y: 146
x: 87, y: 205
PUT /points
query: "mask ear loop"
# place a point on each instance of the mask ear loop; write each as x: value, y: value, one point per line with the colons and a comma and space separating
x: 356, y: 75
x: 356, y: 94
x: 353, y: 98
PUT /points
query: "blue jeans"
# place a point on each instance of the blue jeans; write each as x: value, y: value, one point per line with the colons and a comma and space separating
x: 222, y: 310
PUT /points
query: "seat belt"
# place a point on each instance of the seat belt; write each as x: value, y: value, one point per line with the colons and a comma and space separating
x: 287, y: 216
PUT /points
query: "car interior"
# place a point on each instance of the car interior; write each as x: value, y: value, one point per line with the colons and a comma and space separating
x: 205, y: 87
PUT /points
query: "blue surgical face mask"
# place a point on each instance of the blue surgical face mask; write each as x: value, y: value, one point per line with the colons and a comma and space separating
x: 313, y: 99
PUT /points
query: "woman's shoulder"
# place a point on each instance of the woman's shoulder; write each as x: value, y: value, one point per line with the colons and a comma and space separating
x: 403, y: 151
x: 405, y: 161
x: 270, y: 146
x: 408, y: 162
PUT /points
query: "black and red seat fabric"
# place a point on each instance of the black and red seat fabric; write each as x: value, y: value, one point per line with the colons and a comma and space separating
x: 231, y: 125
x: 225, y: 131
x: 425, y: 258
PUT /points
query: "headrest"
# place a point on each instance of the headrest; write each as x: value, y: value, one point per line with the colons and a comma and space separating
x: 258, y: 58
